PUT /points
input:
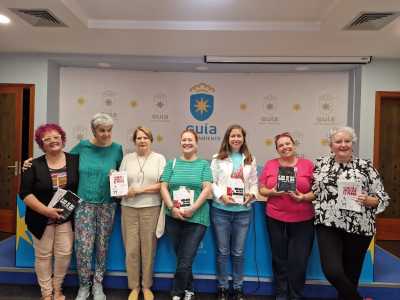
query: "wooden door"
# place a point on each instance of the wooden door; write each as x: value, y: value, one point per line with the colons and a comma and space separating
x: 387, y: 160
x: 16, y: 117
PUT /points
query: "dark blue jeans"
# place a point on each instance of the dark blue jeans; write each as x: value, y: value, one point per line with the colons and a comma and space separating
x: 185, y: 238
x: 291, y: 245
x: 230, y: 229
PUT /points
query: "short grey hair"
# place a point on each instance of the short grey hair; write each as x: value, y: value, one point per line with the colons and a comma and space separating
x: 101, y: 119
x: 347, y: 129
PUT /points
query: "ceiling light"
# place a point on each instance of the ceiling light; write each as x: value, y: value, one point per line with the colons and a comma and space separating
x: 4, y: 19
x: 287, y: 59
x: 302, y: 68
x: 104, y: 65
x: 201, y: 68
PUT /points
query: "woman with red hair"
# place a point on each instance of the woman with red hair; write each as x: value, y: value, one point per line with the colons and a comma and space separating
x: 52, y: 235
x: 290, y: 217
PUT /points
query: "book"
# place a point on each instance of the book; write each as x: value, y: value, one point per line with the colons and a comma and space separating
x: 235, y: 189
x: 183, y: 197
x: 118, y: 184
x: 347, y: 195
x: 67, y: 201
x: 286, y: 179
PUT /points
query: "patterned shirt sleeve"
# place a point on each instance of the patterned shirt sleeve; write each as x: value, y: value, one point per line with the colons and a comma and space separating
x: 376, y: 189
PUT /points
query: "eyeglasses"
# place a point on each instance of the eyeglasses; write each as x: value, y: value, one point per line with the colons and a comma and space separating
x: 51, y: 138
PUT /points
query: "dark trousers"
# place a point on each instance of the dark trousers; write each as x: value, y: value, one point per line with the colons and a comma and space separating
x: 291, y: 245
x: 185, y: 238
x: 342, y: 256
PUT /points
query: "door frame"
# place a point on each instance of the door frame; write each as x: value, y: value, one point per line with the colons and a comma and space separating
x: 385, y: 226
x: 29, y: 138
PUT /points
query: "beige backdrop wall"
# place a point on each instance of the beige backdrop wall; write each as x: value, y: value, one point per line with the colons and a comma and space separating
x: 306, y: 105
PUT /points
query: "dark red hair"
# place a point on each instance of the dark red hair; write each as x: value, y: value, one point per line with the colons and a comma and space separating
x: 42, y: 129
x: 281, y: 135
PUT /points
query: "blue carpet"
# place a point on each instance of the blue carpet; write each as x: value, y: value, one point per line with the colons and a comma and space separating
x: 386, y: 267
x: 387, y: 271
x: 7, y: 252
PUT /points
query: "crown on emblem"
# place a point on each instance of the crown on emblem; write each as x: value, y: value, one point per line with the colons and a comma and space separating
x: 202, y: 88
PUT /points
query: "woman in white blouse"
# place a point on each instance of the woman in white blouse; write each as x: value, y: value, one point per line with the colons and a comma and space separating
x: 139, y: 212
x: 349, y: 193
x: 234, y: 168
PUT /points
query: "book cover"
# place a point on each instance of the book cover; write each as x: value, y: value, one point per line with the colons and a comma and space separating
x: 235, y: 189
x: 286, y: 179
x: 119, y: 184
x: 347, y: 195
x: 67, y: 201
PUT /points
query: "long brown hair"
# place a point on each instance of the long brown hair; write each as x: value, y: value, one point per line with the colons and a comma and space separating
x: 225, y: 148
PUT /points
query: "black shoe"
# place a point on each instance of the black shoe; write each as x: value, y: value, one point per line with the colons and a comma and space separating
x: 222, y: 294
x: 238, y: 295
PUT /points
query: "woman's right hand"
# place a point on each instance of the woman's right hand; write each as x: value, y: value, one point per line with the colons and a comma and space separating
x: 27, y: 164
x: 53, y: 213
x: 227, y: 200
x: 176, y: 213
x: 275, y: 193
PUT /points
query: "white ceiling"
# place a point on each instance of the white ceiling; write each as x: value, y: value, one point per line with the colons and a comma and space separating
x: 194, y: 28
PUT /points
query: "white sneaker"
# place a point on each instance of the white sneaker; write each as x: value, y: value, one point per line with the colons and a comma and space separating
x: 189, y: 295
x: 83, y: 293
x: 97, y: 291
x: 176, y: 298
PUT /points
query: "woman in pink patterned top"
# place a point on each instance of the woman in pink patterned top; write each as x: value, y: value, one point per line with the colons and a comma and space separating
x: 290, y: 217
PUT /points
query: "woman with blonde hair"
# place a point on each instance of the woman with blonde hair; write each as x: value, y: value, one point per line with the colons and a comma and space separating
x: 185, y: 186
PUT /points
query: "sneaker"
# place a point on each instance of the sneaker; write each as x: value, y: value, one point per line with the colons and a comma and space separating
x: 134, y: 294
x: 222, y: 294
x: 148, y: 294
x: 189, y: 295
x: 238, y: 295
x: 97, y: 291
x: 176, y: 298
x: 83, y: 293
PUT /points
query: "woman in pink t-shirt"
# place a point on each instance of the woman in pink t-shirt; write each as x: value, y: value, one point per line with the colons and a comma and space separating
x: 290, y: 216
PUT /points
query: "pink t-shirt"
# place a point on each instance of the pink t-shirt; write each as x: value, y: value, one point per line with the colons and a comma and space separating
x: 285, y: 208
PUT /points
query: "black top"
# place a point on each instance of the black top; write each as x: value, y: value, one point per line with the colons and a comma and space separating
x: 37, y: 181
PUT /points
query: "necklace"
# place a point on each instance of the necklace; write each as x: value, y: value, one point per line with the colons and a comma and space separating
x: 140, y: 174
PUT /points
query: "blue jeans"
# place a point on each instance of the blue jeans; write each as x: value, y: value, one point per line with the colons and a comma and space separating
x: 185, y: 238
x: 291, y: 245
x: 230, y: 229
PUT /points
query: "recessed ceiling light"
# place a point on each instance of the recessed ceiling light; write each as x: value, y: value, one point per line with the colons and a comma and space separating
x: 201, y: 68
x: 302, y: 68
x: 103, y: 65
x: 4, y: 19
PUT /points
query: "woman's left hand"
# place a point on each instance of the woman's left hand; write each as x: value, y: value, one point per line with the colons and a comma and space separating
x: 365, y: 200
x: 188, y: 212
x: 248, y: 198
x: 298, y: 196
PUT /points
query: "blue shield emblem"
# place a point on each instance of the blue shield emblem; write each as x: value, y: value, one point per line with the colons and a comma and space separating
x: 201, y: 106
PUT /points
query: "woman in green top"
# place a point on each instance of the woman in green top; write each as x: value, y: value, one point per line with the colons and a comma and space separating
x: 94, y: 218
x: 185, y: 186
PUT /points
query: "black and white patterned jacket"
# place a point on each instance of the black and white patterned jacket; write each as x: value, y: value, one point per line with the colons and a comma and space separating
x: 326, y: 174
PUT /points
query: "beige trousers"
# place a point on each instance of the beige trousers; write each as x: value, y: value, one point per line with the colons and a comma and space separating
x: 57, y: 241
x: 138, y: 232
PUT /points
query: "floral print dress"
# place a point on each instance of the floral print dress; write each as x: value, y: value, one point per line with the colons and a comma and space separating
x: 327, y: 172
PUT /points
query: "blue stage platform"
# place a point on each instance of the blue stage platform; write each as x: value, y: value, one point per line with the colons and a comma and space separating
x: 385, y: 286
